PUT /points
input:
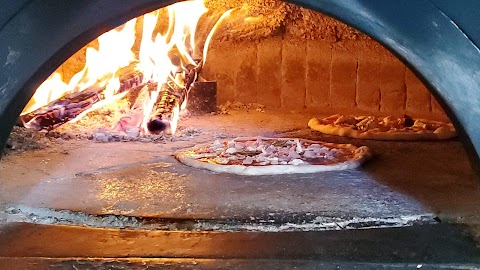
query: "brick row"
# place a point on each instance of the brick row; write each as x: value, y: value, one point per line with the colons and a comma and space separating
x: 315, y: 74
x: 293, y: 71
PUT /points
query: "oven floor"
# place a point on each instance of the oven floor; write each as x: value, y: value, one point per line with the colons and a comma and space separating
x: 405, y: 181
x: 180, y: 217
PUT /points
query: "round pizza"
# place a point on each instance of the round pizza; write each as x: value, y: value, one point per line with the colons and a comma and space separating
x: 270, y: 156
x: 383, y: 128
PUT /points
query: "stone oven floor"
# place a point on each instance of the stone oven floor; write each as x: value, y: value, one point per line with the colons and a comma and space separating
x: 141, y: 186
x: 404, y: 179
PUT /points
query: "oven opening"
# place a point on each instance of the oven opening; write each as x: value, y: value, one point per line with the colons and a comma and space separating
x: 96, y: 146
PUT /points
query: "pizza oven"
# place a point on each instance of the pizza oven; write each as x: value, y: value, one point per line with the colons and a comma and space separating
x: 103, y: 158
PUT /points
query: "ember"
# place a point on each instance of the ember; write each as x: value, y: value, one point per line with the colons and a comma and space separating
x: 156, y: 81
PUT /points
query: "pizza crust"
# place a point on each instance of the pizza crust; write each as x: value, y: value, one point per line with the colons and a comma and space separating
x: 360, y: 155
x: 444, y: 132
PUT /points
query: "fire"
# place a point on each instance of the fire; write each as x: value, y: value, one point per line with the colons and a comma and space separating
x: 170, y: 60
x: 51, y: 89
x: 114, y: 52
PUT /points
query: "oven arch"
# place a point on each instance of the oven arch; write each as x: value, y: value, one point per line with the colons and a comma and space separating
x: 37, y: 36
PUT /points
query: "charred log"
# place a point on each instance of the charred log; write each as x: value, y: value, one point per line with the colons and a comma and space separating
x: 169, y: 101
x: 68, y: 107
x: 171, y: 96
x: 61, y: 111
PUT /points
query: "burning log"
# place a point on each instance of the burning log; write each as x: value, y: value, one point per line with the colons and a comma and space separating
x: 61, y: 111
x: 166, y: 110
x: 172, y: 96
x: 70, y: 106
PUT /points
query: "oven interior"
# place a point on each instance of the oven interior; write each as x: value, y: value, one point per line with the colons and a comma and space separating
x: 274, y: 66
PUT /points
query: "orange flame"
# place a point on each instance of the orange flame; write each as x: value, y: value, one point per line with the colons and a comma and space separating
x: 53, y: 88
x: 114, y: 52
x: 154, y: 60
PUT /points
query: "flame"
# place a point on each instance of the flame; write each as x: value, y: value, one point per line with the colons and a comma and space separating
x: 53, y: 88
x: 155, y: 62
x: 174, y: 120
x: 114, y: 52
x: 184, y: 105
x: 162, y: 58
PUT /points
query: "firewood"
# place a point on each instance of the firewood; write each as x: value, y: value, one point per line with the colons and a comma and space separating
x: 66, y: 108
x: 172, y: 95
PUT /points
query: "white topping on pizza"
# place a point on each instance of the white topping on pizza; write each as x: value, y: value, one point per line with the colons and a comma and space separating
x: 266, y: 152
x: 292, y: 154
x: 231, y: 150
x: 217, y: 145
x: 239, y: 145
x: 269, y: 150
x: 260, y: 158
x: 273, y: 160
x: 248, y: 160
x: 309, y: 154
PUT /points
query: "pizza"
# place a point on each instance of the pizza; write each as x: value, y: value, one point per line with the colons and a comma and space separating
x: 271, y: 156
x: 383, y: 128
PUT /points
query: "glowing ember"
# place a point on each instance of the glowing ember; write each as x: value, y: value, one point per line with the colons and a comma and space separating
x: 167, y: 64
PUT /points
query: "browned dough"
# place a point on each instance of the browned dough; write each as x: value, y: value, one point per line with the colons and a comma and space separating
x: 446, y: 131
x: 358, y: 157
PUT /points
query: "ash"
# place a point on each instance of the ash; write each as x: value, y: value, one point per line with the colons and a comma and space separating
x: 47, y: 216
x: 238, y: 106
x: 22, y: 139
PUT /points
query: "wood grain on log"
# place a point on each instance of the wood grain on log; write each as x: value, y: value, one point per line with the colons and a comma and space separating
x: 66, y: 108
x: 172, y: 95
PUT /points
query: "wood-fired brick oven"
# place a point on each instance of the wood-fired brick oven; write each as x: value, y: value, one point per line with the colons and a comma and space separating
x: 287, y: 64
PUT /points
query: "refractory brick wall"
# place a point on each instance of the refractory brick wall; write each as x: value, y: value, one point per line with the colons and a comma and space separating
x: 350, y: 76
x: 290, y: 57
